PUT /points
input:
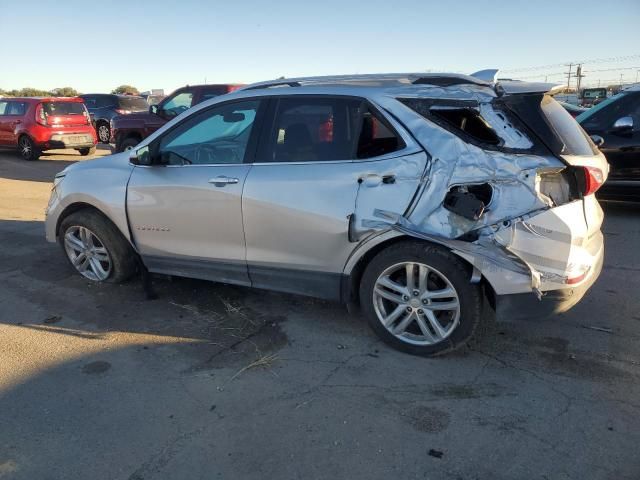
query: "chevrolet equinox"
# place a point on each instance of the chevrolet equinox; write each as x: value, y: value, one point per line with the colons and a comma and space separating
x: 417, y: 196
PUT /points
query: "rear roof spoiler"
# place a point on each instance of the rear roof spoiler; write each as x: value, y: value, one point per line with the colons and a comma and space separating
x: 488, y: 75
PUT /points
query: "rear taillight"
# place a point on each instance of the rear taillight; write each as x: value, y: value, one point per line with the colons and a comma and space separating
x: 120, y: 111
x: 87, y: 116
x: 41, y: 116
x: 593, y: 180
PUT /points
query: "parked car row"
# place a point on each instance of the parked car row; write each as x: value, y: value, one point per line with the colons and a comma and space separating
x: 33, y: 124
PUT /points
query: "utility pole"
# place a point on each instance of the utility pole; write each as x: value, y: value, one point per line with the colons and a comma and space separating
x: 579, y: 76
x: 621, y: 81
x: 569, y: 77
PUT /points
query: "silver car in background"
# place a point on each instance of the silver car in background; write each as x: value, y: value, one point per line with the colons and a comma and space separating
x: 417, y: 196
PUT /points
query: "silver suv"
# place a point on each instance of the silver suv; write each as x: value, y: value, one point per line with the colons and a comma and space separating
x: 418, y: 197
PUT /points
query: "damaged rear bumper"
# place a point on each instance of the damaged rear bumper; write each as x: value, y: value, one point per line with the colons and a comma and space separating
x: 527, y: 305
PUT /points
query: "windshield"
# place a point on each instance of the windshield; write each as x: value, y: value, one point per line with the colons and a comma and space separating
x: 600, y: 92
x: 586, y: 115
x: 63, y: 108
x: 133, y: 103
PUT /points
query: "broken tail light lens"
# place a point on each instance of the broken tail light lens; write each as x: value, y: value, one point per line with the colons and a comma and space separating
x: 578, y: 278
x: 594, y: 178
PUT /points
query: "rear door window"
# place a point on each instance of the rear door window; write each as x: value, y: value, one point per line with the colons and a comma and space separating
x: 313, y: 129
x: 104, y: 101
x: 16, y: 108
x: 3, y: 107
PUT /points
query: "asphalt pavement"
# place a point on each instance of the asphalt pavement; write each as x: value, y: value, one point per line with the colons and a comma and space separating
x: 217, y: 381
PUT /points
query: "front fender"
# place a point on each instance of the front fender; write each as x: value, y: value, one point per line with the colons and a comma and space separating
x: 104, y: 187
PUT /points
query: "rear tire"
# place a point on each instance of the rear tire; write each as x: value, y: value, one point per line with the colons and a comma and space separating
x: 28, y: 149
x: 104, y: 132
x: 87, y: 151
x: 88, y: 237
x: 435, y: 312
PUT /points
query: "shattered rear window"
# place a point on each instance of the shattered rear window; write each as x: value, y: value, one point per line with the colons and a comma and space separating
x: 468, y: 121
x: 479, y: 124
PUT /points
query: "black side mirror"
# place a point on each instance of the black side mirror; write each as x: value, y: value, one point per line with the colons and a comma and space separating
x: 140, y: 156
x: 598, y: 140
x: 623, y: 124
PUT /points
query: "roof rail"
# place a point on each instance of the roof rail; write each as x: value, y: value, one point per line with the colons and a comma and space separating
x: 446, y: 81
x: 375, y: 80
x: 282, y: 83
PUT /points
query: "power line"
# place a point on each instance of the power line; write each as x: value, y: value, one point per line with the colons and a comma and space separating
x: 623, y: 58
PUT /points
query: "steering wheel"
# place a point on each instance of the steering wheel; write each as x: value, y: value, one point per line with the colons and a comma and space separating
x: 205, y: 154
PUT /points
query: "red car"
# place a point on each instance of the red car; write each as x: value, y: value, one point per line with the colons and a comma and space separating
x: 36, y: 124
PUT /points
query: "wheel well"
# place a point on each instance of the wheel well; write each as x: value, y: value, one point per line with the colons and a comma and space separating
x: 353, y: 289
x: 134, y: 135
x: 76, y: 207
x: 25, y: 134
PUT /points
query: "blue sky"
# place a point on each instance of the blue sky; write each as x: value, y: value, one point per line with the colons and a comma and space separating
x: 95, y: 46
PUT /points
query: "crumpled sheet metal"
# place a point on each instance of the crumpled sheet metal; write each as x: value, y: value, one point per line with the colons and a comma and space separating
x: 494, y: 260
x: 455, y: 162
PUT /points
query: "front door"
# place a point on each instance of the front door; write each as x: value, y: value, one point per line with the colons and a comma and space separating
x: 325, y: 163
x: 621, y: 147
x: 185, y: 209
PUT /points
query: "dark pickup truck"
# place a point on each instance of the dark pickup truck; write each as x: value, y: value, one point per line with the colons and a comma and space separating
x: 128, y: 130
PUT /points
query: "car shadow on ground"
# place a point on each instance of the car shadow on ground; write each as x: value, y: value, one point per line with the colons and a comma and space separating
x: 13, y: 167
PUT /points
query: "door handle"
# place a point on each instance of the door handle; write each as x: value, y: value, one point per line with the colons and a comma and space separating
x: 222, y: 180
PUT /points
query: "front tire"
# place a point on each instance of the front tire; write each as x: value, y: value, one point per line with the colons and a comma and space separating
x: 95, y: 247
x: 87, y: 151
x: 28, y: 149
x: 129, y: 144
x: 418, y: 298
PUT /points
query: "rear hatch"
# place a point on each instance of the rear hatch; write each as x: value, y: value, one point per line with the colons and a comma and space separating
x: 563, y: 243
x: 63, y: 113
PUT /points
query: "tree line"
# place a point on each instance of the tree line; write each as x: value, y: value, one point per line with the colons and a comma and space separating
x: 61, y: 92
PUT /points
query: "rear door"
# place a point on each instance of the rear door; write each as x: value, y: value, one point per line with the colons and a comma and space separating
x: 185, y: 211
x: 318, y: 174
x: 12, y: 113
x: 4, y: 124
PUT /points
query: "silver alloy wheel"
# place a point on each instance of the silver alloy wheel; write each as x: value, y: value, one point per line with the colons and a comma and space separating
x: 103, y: 133
x: 87, y: 253
x: 25, y: 147
x: 416, y: 303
